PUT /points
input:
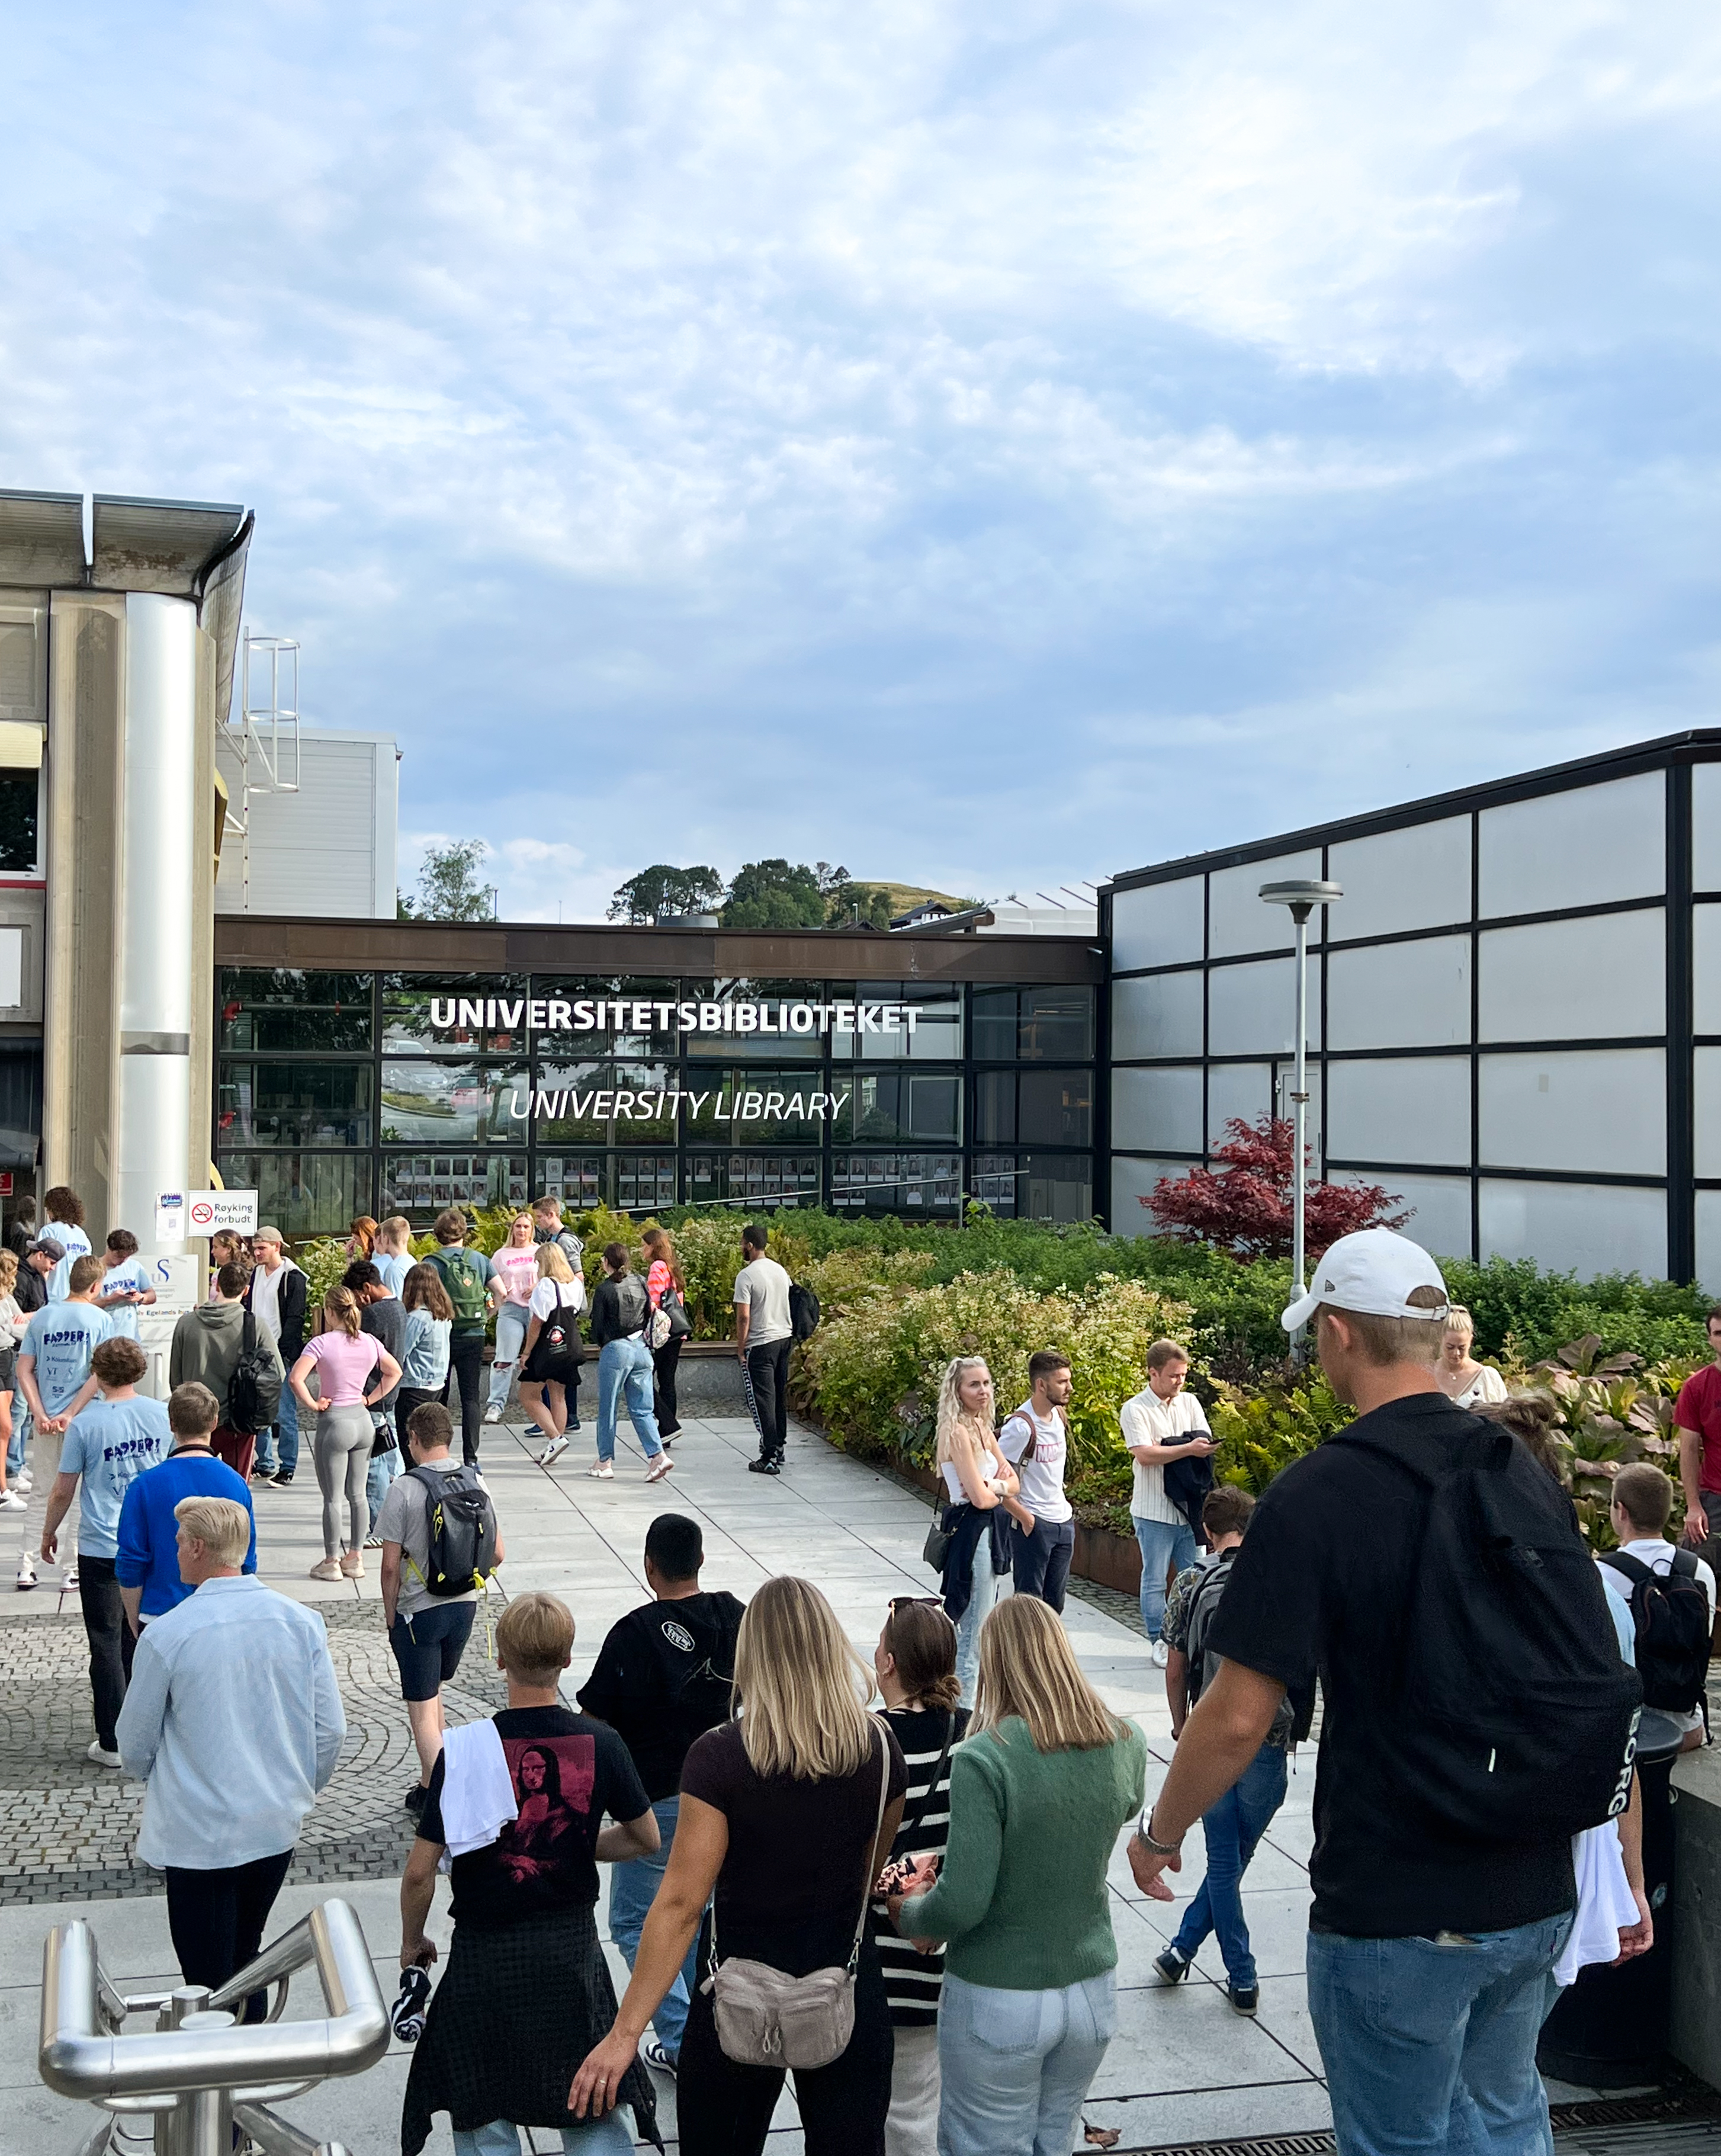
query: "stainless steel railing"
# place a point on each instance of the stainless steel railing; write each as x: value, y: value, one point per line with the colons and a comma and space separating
x: 199, y: 2070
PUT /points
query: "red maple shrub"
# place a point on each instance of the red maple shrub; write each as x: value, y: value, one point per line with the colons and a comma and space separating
x: 1247, y: 1208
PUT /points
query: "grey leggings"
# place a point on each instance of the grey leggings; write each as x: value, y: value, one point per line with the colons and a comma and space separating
x: 343, y: 1450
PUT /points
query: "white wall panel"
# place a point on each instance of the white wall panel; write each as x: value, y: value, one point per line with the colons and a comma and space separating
x: 1158, y: 925
x: 1132, y: 1183
x: 1156, y: 1014
x: 1598, y: 1109
x: 1399, y: 995
x: 1252, y: 1010
x: 1583, y: 847
x: 1236, y: 1089
x: 1708, y: 1237
x: 1412, y: 1108
x: 1579, y: 1227
x: 1573, y: 980
x: 1706, y: 1111
x: 1706, y: 968
x: 1237, y: 918
x: 1157, y: 1110
x: 1706, y: 827
x: 330, y: 849
x: 1439, y: 1207
x: 1416, y: 878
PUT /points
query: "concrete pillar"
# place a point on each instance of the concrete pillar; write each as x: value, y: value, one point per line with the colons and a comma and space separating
x: 1695, y: 2038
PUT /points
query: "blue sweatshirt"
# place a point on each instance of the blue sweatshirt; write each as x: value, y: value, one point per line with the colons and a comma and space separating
x: 148, y: 1535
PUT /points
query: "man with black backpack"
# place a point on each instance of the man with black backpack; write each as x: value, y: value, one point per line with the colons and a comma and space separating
x: 440, y: 1544
x: 466, y: 1275
x: 663, y: 1676
x: 1475, y: 1715
x: 221, y: 1345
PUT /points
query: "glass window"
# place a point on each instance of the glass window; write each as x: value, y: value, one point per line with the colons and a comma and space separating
x: 1242, y: 1092
x: 1578, y: 1227
x: 753, y: 1178
x: 1402, y: 1107
x: 605, y: 1104
x: 1439, y: 1207
x: 421, y: 1184
x: 1133, y: 1183
x: 769, y: 1020
x: 911, y: 1184
x: 610, y: 1014
x: 1157, y: 1110
x: 1706, y: 834
x: 995, y: 1107
x: 1574, y: 980
x: 1057, y: 1023
x: 1416, y: 878
x: 1056, y: 1187
x: 1397, y: 995
x: 282, y: 1009
x: 897, y: 1023
x: 577, y: 1178
x: 1240, y: 920
x: 1706, y: 968
x: 994, y: 1182
x: 1056, y: 1108
x: 900, y: 1104
x: 302, y: 1194
x: 295, y: 1104
x: 1603, y: 1109
x: 18, y: 794
x: 643, y: 1183
x: 761, y: 1108
x: 1252, y: 1010
x: 994, y: 1025
x: 1581, y: 847
x: 452, y: 1100
x: 1160, y: 1014
x: 485, y: 1013
x: 1159, y: 924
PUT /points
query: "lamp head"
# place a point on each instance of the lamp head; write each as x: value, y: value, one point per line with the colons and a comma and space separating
x: 1302, y: 896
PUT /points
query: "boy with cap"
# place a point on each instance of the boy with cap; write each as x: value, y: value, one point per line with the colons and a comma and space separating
x: 1431, y: 1942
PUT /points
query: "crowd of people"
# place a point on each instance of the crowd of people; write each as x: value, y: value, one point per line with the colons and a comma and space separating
x: 906, y: 1909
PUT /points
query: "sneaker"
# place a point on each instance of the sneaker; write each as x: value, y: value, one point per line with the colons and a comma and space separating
x: 653, y: 2052
x: 552, y: 1452
x: 1245, y: 1997
x: 26, y: 1574
x: 764, y: 1467
x: 352, y: 1565
x: 600, y: 1470
x: 284, y: 1481
x: 1161, y: 1654
x: 98, y: 1756
x: 1170, y: 1967
x: 493, y: 1414
x: 573, y: 1422
x: 69, y: 1578
x: 414, y: 1798
x: 661, y: 1466
x: 10, y: 1502
x: 330, y: 1569
x: 23, y: 1483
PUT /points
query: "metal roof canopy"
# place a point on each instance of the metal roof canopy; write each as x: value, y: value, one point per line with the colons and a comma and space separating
x: 158, y: 546
x: 41, y: 537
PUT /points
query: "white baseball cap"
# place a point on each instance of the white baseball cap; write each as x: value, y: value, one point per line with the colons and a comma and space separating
x: 1372, y: 1272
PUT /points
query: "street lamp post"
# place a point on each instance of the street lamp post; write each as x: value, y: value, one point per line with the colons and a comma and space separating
x: 1302, y: 898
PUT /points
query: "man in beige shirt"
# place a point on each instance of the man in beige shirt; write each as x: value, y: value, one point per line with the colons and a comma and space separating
x: 1160, y: 1424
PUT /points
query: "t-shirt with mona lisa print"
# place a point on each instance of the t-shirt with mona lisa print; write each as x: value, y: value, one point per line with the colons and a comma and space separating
x: 567, y: 1770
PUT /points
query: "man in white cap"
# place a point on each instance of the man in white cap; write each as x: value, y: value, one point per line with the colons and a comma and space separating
x: 1438, y: 1909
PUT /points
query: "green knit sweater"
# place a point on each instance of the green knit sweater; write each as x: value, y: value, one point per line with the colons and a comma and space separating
x: 1022, y: 1896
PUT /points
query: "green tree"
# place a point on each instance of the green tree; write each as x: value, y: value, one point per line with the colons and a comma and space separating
x: 774, y: 895
x: 662, y: 890
x: 863, y: 905
x: 449, y: 889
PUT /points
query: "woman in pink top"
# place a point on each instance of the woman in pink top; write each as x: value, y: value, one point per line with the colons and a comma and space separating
x: 354, y: 1371
x: 513, y: 1274
x: 664, y: 1272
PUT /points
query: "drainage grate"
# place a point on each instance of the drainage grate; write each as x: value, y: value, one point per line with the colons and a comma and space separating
x: 1682, y: 2119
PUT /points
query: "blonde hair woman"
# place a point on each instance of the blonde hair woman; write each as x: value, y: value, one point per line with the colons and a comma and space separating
x: 1467, y: 1383
x: 1049, y: 1777
x: 355, y: 1371
x: 513, y: 1274
x: 550, y: 1368
x: 978, y: 1478
x: 780, y: 1819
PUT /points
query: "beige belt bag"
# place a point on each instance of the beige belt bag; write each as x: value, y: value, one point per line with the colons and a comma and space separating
x: 766, y: 2019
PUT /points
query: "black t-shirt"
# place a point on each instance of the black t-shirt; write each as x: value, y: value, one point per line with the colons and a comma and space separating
x: 797, y: 1869
x: 568, y: 1771
x: 1322, y: 1582
x: 663, y: 1677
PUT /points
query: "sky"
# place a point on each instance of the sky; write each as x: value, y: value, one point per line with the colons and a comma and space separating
x: 986, y: 445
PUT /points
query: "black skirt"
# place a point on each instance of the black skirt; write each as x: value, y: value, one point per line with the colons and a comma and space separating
x: 515, y: 2013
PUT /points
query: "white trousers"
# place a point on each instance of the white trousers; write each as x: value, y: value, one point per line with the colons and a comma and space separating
x: 911, y: 2125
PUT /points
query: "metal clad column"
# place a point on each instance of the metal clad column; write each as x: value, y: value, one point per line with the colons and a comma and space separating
x: 161, y: 831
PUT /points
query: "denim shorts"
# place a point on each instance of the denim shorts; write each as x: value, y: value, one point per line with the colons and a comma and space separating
x: 428, y: 1647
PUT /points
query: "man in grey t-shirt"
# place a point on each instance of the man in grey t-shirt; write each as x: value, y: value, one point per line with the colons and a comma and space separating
x: 763, y: 1338
x: 1035, y: 1441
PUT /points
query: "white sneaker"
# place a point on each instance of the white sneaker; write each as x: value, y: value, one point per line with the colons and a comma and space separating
x: 26, y: 1574
x: 552, y: 1452
x: 69, y: 1577
x: 23, y: 1483
x: 600, y: 1470
x: 10, y: 1502
x: 1161, y: 1654
x: 97, y: 1757
x: 493, y: 1414
x: 661, y: 1466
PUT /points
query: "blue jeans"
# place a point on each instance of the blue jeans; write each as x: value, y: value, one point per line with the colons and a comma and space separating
x: 277, y: 1449
x: 598, y: 2137
x: 511, y: 1339
x: 634, y: 1888
x: 383, y: 1468
x: 1016, y: 2065
x: 1163, y: 1547
x: 1231, y: 1830
x: 982, y: 1593
x: 625, y: 1366
x: 1430, y: 2045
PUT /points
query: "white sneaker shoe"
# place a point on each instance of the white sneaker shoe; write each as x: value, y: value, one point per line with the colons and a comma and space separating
x: 552, y: 1452
x: 23, y: 1483
x: 97, y: 1757
x: 10, y: 1502
x: 26, y: 1574
x: 600, y: 1470
x: 69, y: 1577
x: 661, y: 1466
x: 1161, y: 1654
x: 493, y: 1414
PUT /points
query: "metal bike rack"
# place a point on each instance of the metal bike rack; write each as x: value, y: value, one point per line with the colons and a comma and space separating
x: 200, y: 2072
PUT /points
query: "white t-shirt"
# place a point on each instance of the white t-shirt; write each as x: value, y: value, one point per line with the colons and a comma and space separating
x: 266, y: 1299
x: 1485, y: 1389
x: 1147, y: 1419
x: 1660, y: 1729
x: 763, y: 1287
x: 548, y: 1294
x: 1039, y: 1451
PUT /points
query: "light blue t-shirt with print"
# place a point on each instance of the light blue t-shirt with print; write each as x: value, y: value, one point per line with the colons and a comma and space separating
x: 394, y: 1270
x: 123, y: 1316
x: 109, y: 1444
x: 63, y: 1336
x: 75, y: 1244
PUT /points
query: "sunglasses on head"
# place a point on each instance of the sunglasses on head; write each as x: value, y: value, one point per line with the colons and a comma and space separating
x: 914, y: 1602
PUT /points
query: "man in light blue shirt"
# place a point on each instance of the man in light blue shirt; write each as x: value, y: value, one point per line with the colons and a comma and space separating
x: 110, y: 1444
x: 124, y: 1287
x: 65, y: 1223
x: 392, y: 1256
x: 233, y: 1723
x: 53, y: 1368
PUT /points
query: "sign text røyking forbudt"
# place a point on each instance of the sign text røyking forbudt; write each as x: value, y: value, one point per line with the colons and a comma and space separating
x: 545, y: 1105
x: 625, y: 1014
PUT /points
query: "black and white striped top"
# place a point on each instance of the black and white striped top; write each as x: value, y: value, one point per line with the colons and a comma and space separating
x: 911, y: 1979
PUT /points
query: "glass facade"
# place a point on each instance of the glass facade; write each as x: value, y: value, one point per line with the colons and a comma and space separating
x: 343, y: 1092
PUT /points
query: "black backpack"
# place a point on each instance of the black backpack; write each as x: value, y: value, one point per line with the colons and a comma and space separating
x: 1670, y: 1613
x: 1295, y: 1715
x: 254, y: 1392
x: 803, y: 1310
x: 463, y: 1530
x: 1515, y: 1720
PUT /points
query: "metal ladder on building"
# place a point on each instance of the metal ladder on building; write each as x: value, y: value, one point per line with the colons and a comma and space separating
x: 264, y: 744
x: 200, y: 2072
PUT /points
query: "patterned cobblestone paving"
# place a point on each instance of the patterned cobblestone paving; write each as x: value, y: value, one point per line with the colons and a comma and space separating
x: 68, y: 1829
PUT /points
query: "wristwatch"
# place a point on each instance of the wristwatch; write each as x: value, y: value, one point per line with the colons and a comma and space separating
x: 1144, y: 1827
